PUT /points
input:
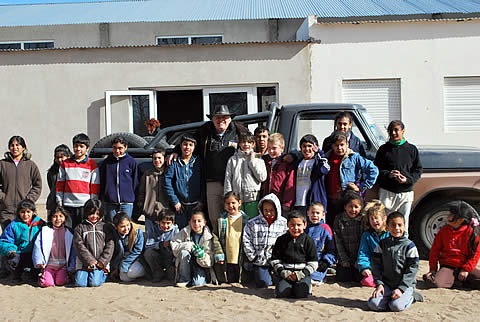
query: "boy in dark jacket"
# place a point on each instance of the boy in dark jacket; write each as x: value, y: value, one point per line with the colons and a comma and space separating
x: 118, y: 179
x: 395, y: 267
x: 294, y: 259
x: 94, y: 245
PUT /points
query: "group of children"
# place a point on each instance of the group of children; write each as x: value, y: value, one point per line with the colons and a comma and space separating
x: 273, y: 231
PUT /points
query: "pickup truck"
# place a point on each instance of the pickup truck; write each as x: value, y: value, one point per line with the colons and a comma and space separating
x: 449, y: 172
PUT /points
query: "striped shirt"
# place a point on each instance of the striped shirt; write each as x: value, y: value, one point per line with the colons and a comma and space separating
x: 77, y: 182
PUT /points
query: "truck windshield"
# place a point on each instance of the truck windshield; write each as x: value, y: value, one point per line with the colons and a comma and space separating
x: 380, y: 133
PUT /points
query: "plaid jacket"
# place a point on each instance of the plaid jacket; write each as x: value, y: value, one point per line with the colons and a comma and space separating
x: 348, y: 233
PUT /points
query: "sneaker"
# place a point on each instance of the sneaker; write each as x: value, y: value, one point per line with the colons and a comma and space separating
x: 184, y: 284
x: 331, y: 271
x: 317, y: 283
x: 417, y: 297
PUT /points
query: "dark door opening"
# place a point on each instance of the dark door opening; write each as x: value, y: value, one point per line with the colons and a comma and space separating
x: 179, y: 107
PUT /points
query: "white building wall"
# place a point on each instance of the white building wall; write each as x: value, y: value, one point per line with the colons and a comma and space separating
x: 48, y: 96
x: 145, y: 33
x: 420, y: 54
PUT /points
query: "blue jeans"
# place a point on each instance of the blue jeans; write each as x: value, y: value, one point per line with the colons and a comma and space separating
x: 262, y: 275
x: 296, y: 290
x: 94, y: 278
x: 383, y: 302
x: 189, y: 271
x: 112, y: 209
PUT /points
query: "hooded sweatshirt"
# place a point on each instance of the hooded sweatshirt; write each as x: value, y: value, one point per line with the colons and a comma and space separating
x: 119, y: 179
x: 259, y: 237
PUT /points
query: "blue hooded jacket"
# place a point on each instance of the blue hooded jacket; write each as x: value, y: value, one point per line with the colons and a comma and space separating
x: 323, y: 242
x: 369, y: 242
x: 20, y: 237
x: 118, y: 179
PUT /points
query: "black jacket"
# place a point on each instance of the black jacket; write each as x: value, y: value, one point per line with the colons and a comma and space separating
x: 404, y: 158
x: 295, y: 255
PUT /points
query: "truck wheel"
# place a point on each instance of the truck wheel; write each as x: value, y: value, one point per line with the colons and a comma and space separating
x: 427, y: 223
x: 134, y: 141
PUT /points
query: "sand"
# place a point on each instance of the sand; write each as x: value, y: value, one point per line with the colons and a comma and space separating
x: 149, y: 301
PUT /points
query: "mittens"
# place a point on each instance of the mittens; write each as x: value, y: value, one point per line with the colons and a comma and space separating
x: 323, y: 266
x: 285, y: 273
x: 198, y: 251
x: 300, y: 275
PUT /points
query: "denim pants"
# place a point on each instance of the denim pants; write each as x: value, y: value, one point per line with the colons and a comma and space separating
x: 94, y: 278
x: 112, y: 209
x: 189, y: 271
x: 383, y: 302
x: 262, y: 275
x: 297, y: 289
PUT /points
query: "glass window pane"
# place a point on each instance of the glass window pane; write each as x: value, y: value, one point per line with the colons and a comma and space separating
x: 207, y: 40
x: 266, y: 96
x: 141, y: 113
x: 236, y: 102
x: 172, y: 41
x: 37, y: 45
x: 11, y: 46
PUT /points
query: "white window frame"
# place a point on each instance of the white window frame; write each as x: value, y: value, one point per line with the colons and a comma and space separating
x: 252, y: 106
x: 108, y: 106
x: 23, y: 42
x: 189, y: 37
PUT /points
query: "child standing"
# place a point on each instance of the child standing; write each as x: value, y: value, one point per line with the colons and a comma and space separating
x: 17, y: 240
x: 94, y: 246
x: 230, y: 232
x: 245, y: 173
x: 194, y: 247
x: 280, y: 174
x: 294, y: 259
x: 375, y: 224
x: 185, y: 182
x: 261, y: 139
x: 53, y: 251
x: 455, y: 247
x: 343, y: 123
x: 78, y: 180
x: 118, y: 179
x: 151, y: 197
x: 395, y: 267
x: 348, y: 230
x: 323, y: 241
x: 310, y: 174
x: 259, y: 236
x: 129, y: 244
x: 61, y: 153
x: 348, y: 170
x: 158, y: 252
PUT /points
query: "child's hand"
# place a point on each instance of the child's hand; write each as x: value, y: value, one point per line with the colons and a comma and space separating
x: 199, y: 206
x: 198, y: 251
x: 171, y: 157
x: 178, y: 207
x: 11, y: 254
x: 353, y: 186
x: 40, y: 266
x: 287, y: 158
x: 285, y: 274
x: 379, y: 290
x: 462, y: 275
x: 366, y: 272
x: 345, y: 264
x: 396, y: 293
x: 100, y: 265
x: 221, y: 262
x: 166, y: 243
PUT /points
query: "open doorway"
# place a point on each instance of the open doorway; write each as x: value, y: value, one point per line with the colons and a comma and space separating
x: 179, y: 107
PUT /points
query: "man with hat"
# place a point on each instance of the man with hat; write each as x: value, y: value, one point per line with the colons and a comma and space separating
x: 216, y: 143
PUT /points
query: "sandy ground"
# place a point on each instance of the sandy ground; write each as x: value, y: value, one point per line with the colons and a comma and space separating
x: 145, y: 300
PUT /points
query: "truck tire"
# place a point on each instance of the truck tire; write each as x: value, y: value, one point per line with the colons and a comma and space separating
x: 134, y: 141
x: 428, y: 221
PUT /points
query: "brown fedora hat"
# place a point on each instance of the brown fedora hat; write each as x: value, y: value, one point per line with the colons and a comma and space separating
x: 221, y: 110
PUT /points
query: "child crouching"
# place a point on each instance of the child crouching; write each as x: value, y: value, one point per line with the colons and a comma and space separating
x: 158, y: 252
x: 16, y: 241
x: 53, y: 251
x: 294, y: 259
x: 395, y: 267
x: 129, y: 245
x: 194, y: 248
x: 94, y: 245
